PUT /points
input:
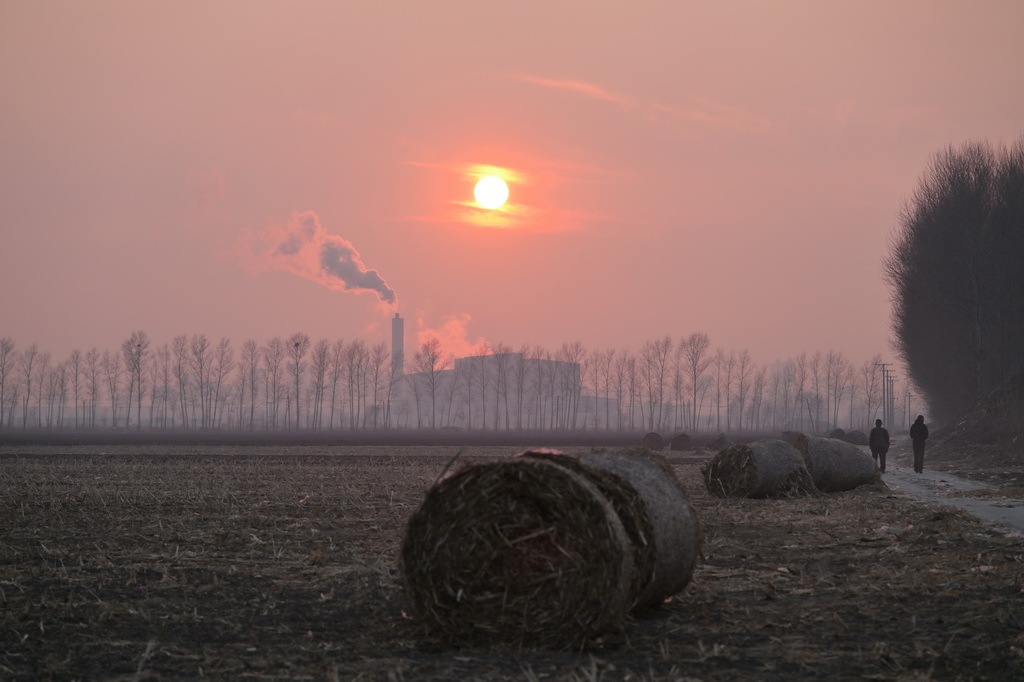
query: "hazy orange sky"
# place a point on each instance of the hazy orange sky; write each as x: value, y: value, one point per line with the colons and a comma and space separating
x: 253, y: 169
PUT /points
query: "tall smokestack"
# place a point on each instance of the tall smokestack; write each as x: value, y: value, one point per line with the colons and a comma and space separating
x: 397, y: 348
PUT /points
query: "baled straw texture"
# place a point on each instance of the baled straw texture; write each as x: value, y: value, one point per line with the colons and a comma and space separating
x: 652, y: 441
x: 835, y: 465
x: 675, y: 543
x: 764, y: 468
x: 680, y: 442
x: 628, y: 505
x: 520, y: 552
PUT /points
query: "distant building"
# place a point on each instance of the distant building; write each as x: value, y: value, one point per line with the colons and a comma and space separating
x: 498, y: 391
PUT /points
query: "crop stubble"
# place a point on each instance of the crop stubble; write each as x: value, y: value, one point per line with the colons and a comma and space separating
x: 251, y: 563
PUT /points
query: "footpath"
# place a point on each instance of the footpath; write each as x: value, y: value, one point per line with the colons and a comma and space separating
x: 938, y: 487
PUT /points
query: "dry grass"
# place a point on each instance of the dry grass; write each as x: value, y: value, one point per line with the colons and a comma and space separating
x: 234, y: 567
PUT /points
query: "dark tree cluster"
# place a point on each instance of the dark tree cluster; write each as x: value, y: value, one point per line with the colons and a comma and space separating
x: 957, y: 277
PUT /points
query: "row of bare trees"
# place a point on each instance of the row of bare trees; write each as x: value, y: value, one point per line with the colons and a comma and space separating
x: 292, y: 383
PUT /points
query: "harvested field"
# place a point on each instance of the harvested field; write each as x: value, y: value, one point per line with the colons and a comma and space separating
x: 240, y: 563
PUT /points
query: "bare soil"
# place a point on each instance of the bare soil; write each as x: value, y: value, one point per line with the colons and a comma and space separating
x: 156, y: 562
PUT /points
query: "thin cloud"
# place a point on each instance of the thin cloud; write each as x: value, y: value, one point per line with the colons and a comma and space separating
x: 704, y: 111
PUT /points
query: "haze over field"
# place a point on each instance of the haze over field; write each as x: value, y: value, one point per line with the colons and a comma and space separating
x: 254, y: 169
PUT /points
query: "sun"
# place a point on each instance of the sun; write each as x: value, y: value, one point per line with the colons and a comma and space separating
x: 491, y: 192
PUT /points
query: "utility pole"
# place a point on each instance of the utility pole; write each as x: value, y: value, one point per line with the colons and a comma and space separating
x: 885, y: 391
x: 892, y: 400
x: 888, y: 394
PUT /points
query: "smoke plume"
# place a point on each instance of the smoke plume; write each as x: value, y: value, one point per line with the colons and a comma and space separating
x: 302, y: 247
x: 453, y: 335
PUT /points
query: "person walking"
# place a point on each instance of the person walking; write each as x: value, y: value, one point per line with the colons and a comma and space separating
x: 878, y: 441
x: 919, y: 434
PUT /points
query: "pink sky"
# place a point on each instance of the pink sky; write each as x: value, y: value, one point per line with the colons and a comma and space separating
x: 731, y: 168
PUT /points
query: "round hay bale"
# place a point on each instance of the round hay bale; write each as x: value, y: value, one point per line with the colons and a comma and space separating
x: 835, y: 465
x: 681, y: 442
x: 675, y: 542
x: 790, y: 436
x: 629, y: 506
x: 521, y: 552
x: 720, y: 442
x: 653, y: 441
x: 763, y: 468
x: 856, y: 437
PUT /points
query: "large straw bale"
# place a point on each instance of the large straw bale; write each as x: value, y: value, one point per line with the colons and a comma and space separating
x: 520, y: 552
x: 681, y: 442
x: 835, y: 465
x: 720, y: 442
x: 653, y: 441
x: 764, y: 468
x: 676, y: 532
x: 856, y: 437
x: 628, y: 504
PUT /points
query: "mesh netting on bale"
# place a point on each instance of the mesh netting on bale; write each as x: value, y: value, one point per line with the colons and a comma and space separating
x: 627, y: 503
x: 763, y: 468
x: 835, y: 465
x: 680, y: 442
x: 675, y: 543
x: 521, y: 552
x: 652, y: 441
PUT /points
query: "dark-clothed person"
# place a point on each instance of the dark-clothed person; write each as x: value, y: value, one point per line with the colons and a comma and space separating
x: 919, y: 434
x: 878, y: 441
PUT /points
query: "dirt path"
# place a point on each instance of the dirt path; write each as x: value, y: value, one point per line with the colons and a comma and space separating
x: 939, y: 487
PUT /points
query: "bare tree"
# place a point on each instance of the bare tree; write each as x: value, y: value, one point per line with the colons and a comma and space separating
x: 870, y: 376
x: 92, y: 383
x: 28, y: 360
x: 632, y: 387
x: 221, y: 365
x: 249, y: 370
x: 75, y: 376
x: 112, y: 372
x: 160, y: 378
x: 273, y: 356
x: 815, y: 367
x: 837, y: 375
x: 135, y: 349
x: 574, y: 356
x: 379, y: 364
x: 619, y: 374
x: 777, y: 404
x: 654, y: 364
x: 319, y: 363
x: 521, y: 372
x: 503, y: 368
x: 696, y: 350
x: 179, y: 346
x: 430, y: 363
x: 355, y: 374
x: 42, y: 374
x: 199, y: 362
x: 337, y: 371
x: 744, y: 367
x: 757, y: 397
x: 297, y: 347
x: 8, y: 362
